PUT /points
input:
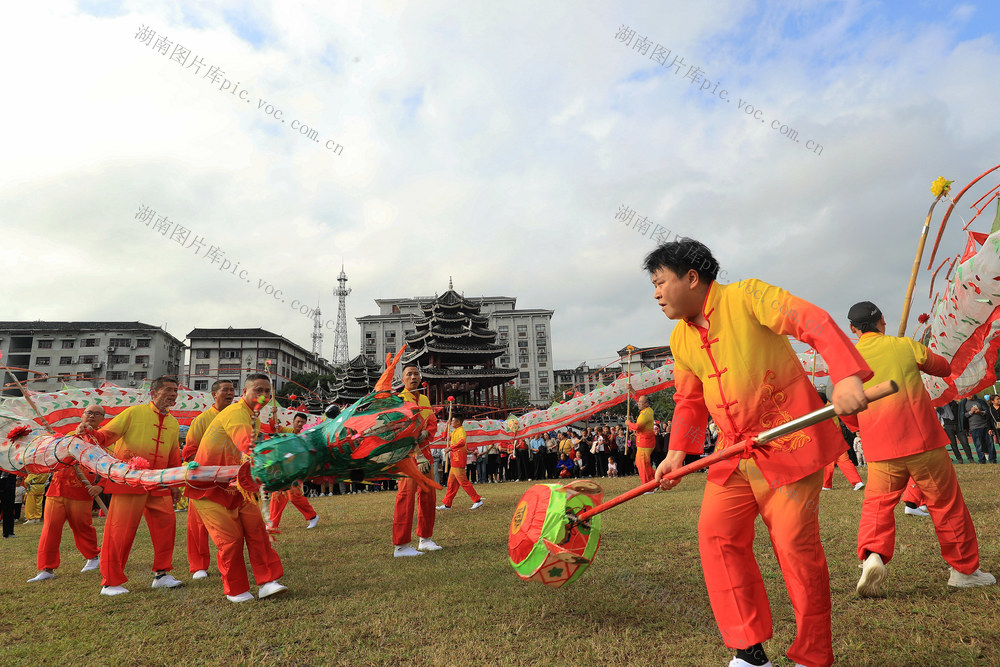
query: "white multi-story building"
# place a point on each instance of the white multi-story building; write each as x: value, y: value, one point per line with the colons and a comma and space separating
x: 88, y: 353
x: 526, y: 333
x: 232, y: 354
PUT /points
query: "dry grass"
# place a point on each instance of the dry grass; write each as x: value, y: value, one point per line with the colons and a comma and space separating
x: 642, y: 602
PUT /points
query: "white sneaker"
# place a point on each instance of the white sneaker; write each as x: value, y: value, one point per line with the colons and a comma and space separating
x: 200, y: 574
x: 977, y: 578
x: 242, y: 597
x: 873, y: 575
x: 405, y: 550
x: 166, y: 581
x: 737, y: 662
x: 43, y: 575
x: 923, y: 507
x: 442, y: 507
x: 476, y: 505
x: 92, y: 564
x: 825, y: 488
x: 859, y: 486
x: 427, y: 544
x: 113, y: 590
x: 915, y: 511
x: 313, y: 521
x: 270, y: 588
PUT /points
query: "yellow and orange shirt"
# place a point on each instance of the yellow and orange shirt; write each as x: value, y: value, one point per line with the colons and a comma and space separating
x: 142, y: 430
x: 643, y: 428
x: 427, y: 414
x: 230, y: 435
x: 743, y: 372
x: 197, y: 431
x: 458, y: 448
x: 904, y: 423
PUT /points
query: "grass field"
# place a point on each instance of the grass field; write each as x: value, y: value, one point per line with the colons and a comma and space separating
x: 643, y: 601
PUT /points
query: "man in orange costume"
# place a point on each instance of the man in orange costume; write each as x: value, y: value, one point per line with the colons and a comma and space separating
x: 70, y: 501
x: 402, y: 518
x: 457, y: 477
x: 732, y: 362
x: 279, y: 499
x: 197, y: 535
x: 645, y: 439
x: 148, y: 431
x: 230, y: 518
x: 903, y: 439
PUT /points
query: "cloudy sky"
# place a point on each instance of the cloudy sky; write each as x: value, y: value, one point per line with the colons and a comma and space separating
x: 490, y: 142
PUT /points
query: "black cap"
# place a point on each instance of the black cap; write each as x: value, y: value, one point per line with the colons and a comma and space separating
x: 863, y: 313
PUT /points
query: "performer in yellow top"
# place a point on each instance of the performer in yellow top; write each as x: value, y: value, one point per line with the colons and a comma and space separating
x: 733, y: 362
x: 148, y: 431
x: 402, y: 519
x: 903, y: 439
x: 230, y: 518
x: 197, y: 535
x: 456, y: 477
x: 279, y: 499
x: 644, y: 437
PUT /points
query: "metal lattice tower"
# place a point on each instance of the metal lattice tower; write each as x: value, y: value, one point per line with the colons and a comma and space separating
x: 340, y: 353
x: 317, y: 334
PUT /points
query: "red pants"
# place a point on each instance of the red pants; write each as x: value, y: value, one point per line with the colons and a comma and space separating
x: 402, y: 517
x: 124, y: 514
x: 934, y: 476
x: 57, y: 512
x: 279, y: 499
x: 457, y: 478
x: 642, y: 455
x: 735, y: 587
x: 913, y: 494
x: 846, y: 467
x: 197, y: 541
x: 230, y: 529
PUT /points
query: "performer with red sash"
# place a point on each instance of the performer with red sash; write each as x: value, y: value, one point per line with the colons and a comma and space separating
x: 231, y: 518
x: 69, y: 501
x: 197, y: 535
x: 408, y: 492
x: 645, y: 438
x: 279, y: 499
x: 733, y: 362
x: 457, y: 477
x: 148, y: 433
x: 903, y: 439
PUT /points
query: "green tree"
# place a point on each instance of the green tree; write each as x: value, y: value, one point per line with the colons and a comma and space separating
x: 516, y: 398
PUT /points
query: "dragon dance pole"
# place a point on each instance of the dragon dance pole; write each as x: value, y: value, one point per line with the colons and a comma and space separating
x: 916, y: 268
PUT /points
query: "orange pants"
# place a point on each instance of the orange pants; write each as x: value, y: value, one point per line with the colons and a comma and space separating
x: 934, y: 476
x: 230, y: 529
x: 913, y: 494
x: 846, y: 467
x: 457, y: 478
x: 279, y: 499
x: 735, y: 587
x: 402, y: 517
x: 642, y: 455
x: 57, y: 512
x: 197, y: 541
x: 124, y: 514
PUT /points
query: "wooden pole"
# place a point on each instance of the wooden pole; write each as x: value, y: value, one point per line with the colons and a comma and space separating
x: 916, y: 267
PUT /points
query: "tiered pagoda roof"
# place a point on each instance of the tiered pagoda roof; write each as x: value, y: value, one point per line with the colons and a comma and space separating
x: 456, y: 350
x: 355, y: 380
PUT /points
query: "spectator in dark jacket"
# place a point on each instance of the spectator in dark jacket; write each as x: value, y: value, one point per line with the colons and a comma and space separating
x: 981, y: 428
x: 952, y: 416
